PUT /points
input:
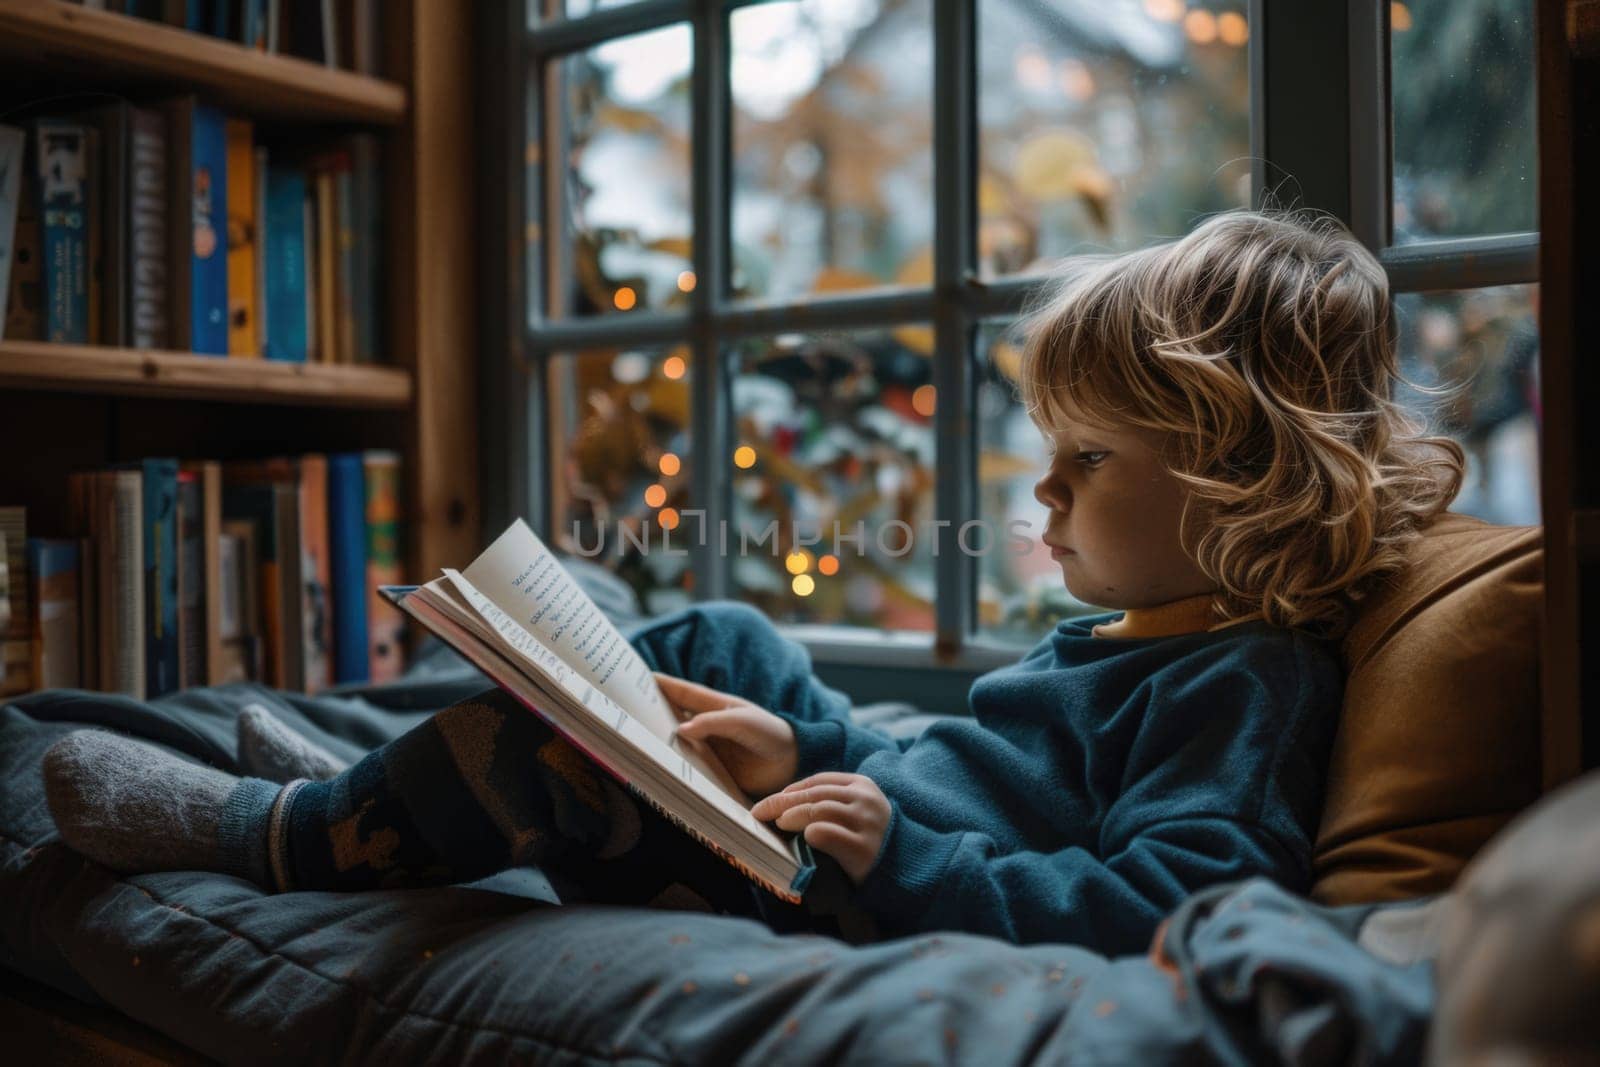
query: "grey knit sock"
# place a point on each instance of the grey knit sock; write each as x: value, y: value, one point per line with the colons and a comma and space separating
x: 269, y: 749
x: 134, y: 807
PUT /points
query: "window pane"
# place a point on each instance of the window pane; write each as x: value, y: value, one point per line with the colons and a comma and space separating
x: 835, y: 433
x: 1465, y: 154
x: 1021, y: 594
x: 619, y: 442
x: 627, y: 174
x: 1105, y: 125
x: 1481, y: 345
x: 832, y: 169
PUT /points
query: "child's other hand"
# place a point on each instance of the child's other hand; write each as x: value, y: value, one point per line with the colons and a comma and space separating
x: 844, y: 815
x: 756, y: 746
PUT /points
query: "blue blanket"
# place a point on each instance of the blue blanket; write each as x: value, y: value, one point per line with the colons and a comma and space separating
x: 497, y: 969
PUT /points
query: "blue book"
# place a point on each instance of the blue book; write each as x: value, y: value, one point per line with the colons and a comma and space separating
x: 285, y: 264
x: 160, y: 478
x: 63, y: 158
x: 209, y: 247
x: 347, y: 530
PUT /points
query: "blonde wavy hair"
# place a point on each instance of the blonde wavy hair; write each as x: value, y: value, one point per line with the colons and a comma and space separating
x: 1263, y: 346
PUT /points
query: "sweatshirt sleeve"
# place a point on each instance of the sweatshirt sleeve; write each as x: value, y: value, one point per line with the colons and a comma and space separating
x: 836, y: 745
x: 927, y: 880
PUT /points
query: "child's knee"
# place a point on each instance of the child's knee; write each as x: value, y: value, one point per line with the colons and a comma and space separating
x: 698, y: 628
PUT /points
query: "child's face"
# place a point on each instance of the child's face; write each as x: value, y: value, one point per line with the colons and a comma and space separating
x: 1114, y: 516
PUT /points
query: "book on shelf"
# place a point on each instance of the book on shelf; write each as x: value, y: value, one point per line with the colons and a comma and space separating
x: 201, y: 573
x: 61, y: 153
x: 12, y: 143
x: 54, y: 589
x: 16, y: 634
x: 380, y: 471
x: 519, y: 616
x: 242, y: 335
x: 167, y: 225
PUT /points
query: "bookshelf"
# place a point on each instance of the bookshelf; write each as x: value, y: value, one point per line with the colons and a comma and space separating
x: 51, y: 36
x: 65, y: 408
x: 184, y: 376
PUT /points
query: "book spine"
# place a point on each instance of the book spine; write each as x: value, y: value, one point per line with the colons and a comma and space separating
x: 53, y: 570
x: 161, y: 576
x: 16, y: 627
x: 291, y: 575
x: 122, y: 631
x: 286, y: 265
x: 63, y: 159
x: 209, y: 229
x: 327, y: 270
x: 316, y: 574
x: 345, y: 259
x: 258, y: 246
x: 82, y: 492
x: 13, y: 142
x: 147, y: 231
x: 208, y: 477
x: 242, y: 340
x: 94, y: 226
x: 255, y: 505
x: 180, y: 222
x: 191, y: 581
x: 347, y: 528
x: 25, y: 301
x: 328, y: 296
x: 385, y: 625
x: 365, y: 211
x: 112, y: 222
x: 308, y: 240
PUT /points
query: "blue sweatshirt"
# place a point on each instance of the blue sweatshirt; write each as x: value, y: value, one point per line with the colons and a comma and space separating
x: 1098, y: 783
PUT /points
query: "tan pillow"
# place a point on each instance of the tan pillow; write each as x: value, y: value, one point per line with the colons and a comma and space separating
x: 1438, y: 744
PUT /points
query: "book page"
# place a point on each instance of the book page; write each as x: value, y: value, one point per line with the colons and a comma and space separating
x: 525, y: 580
x: 709, y: 781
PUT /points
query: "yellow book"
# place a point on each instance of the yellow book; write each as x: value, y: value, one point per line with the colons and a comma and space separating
x: 244, y: 340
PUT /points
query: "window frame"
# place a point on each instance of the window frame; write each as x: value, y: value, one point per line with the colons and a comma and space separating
x: 1288, y: 56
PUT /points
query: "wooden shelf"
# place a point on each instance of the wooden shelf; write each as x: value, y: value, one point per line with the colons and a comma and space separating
x: 50, y: 34
x: 137, y: 372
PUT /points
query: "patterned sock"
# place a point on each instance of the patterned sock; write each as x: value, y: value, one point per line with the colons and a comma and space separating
x: 134, y: 807
x: 269, y: 749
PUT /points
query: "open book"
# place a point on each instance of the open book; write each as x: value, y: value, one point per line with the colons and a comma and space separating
x: 520, y: 617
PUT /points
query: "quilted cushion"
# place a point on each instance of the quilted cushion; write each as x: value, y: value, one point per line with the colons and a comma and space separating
x: 1438, y: 745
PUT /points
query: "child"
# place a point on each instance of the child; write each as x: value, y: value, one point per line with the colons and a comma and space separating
x: 1228, y: 471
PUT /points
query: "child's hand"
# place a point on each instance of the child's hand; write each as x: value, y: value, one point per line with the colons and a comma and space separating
x: 756, y: 746
x: 844, y: 815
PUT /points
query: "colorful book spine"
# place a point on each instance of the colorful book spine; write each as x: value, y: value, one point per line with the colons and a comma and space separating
x: 162, y: 635
x: 13, y: 142
x: 63, y: 169
x: 316, y: 579
x: 55, y: 576
x: 242, y: 335
x: 385, y: 626
x: 347, y: 537
x: 286, y: 265
x: 209, y: 244
x: 147, y: 231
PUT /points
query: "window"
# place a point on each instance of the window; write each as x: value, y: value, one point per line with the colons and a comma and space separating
x: 775, y: 248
